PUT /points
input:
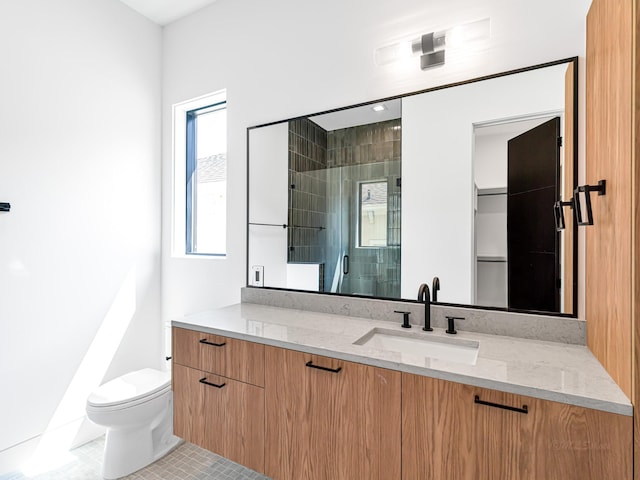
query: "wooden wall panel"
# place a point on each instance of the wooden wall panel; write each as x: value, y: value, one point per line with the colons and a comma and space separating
x: 567, y: 190
x: 609, y: 71
x: 635, y: 237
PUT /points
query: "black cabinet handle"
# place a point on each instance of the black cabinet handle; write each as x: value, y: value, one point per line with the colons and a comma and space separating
x: 311, y: 365
x: 345, y: 265
x: 204, y: 380
x: 524, y: 408
x: 204, y: 340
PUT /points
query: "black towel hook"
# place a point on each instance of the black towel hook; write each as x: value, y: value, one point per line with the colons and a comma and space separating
x: 601, y: 188
x: 5, y: 207
x: 558, y: 213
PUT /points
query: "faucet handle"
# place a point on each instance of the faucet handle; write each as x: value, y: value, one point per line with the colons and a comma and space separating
x: 451, y: 327
x: 405, y: 318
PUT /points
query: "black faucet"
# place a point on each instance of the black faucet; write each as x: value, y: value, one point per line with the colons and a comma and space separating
x: 425, y: 296
x: 435, y: 286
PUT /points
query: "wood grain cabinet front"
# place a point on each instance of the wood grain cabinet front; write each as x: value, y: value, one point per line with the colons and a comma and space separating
x: 330, y: 419
x: 218, y: 395
x: 228, y: 357
x: 451, y: 430
x: 220, y: 414
x: 319, y: 418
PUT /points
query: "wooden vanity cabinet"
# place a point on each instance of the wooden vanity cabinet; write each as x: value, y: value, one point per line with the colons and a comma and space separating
x: 218, y: 395
x: 447, y: 434
x: 330, y: 419
x: 297, y: 416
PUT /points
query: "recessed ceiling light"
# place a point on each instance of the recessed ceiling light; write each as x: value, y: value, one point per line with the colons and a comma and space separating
x: 379, y: 108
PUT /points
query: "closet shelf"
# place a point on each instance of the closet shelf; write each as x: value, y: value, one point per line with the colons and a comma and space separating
x: 483, y: 192
x: 491, y: 258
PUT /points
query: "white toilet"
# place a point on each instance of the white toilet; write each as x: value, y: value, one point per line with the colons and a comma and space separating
x: 137, y: 409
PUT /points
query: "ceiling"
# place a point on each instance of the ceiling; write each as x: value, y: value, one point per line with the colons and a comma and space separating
x: 363, y: 115
x: 164, y: 12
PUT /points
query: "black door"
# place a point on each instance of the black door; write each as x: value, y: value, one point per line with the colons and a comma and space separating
x: 532, y: 241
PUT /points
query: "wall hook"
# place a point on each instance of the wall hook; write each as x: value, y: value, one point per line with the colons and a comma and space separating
x: 5, y: 207
x: 601, y: 188
x: 558, y: 213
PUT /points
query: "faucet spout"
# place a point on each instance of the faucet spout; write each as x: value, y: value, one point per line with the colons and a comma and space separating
x: 435, y: 286
x: 425, y: 296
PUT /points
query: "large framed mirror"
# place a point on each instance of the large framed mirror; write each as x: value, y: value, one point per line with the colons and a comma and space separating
x: 456, y: 182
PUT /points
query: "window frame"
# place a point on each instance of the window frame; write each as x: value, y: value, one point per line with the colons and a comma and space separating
x: 179, y: 214
x: 360, y: 220
x: 191, y: 160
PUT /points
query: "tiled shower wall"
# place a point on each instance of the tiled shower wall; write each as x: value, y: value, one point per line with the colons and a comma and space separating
x: 375, y: 142
x: 356, y: 154
x: 325, y: 170
x: 307, y: 192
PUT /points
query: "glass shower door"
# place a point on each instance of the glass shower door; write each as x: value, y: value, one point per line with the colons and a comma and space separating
x: 364, y: 233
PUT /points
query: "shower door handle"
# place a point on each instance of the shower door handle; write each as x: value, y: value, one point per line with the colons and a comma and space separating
x: 345, y: 265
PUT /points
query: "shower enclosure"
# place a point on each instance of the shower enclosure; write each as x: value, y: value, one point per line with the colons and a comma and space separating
x: 345, y: 205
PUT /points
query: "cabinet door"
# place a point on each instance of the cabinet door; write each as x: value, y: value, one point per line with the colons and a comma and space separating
x: 338, y: 424
x: 446, y: 434
x: 221, y: 415
x: 188, y: 405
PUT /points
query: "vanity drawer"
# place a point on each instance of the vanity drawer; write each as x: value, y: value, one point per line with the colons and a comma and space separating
x: 236, y: 359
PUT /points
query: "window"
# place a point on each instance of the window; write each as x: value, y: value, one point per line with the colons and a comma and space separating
x: 199, y: 204
x: 373, y: 214
x: 206, y: 180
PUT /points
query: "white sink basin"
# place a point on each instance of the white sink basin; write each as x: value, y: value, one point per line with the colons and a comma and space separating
x: 421, y: 344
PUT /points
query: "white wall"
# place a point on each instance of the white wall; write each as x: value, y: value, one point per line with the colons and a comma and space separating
x: 80, y: 249
x: 284, y: 58
x: 437, y: 171
x: 269, y: 177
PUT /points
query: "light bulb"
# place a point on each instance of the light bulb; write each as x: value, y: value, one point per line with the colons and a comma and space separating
x: 393, y: 53
x: 468, y: 32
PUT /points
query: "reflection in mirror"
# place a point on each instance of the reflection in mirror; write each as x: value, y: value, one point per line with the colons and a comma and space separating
x: 457, y: 183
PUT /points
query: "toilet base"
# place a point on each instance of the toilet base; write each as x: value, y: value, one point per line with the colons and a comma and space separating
x: 127, y: 451
x: 130, y: 448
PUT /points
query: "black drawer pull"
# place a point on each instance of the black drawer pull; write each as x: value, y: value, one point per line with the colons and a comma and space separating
x: 524, y: 408
x: 326, y: 369
x: 204, y: 380
x: 204, y: 340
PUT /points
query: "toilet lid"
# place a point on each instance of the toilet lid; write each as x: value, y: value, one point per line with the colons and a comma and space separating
x: 132, y: 386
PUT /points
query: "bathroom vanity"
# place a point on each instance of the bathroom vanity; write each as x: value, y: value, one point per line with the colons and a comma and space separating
x: 300, y: 395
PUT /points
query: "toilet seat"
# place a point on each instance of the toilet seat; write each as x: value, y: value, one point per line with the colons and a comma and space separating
x: 130, y: 389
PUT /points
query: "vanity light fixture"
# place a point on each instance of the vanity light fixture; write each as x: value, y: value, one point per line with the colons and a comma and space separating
x: 380, y: 107
x: 431, y: 46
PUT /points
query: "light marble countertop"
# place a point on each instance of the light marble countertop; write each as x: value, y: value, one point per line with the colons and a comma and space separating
x: 547, y: 370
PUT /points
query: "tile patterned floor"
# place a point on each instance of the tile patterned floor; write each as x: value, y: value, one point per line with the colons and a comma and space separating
x: 187, y: 462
